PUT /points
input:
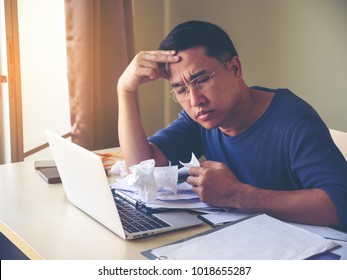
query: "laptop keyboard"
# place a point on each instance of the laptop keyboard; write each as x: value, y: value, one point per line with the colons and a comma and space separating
x: 134, y: 220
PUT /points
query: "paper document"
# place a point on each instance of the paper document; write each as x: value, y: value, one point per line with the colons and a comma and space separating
x: 258, y: 238
x: 223, y: 217
x: 326, y: 232
x: 184, y: 198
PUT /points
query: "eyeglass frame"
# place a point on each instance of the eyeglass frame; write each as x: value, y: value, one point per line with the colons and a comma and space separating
x: 190, y: 85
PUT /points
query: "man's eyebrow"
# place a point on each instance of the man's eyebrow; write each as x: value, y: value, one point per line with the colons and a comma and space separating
x: 191, y: 77
x: 176, y: 85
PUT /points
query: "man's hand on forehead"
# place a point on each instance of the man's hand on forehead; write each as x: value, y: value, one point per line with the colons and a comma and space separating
x: 162, y: 56
x: 145, y: 67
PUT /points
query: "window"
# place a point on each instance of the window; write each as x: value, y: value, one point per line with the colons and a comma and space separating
x: 41, y: 98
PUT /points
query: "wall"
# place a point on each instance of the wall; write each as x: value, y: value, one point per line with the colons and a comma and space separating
x: 151, y: 24
x: 300, y: 45
x: 148, y: 31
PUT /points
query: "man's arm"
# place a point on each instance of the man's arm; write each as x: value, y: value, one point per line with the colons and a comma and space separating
x: 308, y: 206
x: 133, y: 141
x: 218, y: 186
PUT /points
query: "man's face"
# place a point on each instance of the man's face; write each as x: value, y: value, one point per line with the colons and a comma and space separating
x: 217, y: 105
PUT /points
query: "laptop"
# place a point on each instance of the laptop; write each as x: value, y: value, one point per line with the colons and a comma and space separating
x: 86, y: 186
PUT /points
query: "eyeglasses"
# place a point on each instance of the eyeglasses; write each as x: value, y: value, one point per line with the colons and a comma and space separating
x: 200, y: 83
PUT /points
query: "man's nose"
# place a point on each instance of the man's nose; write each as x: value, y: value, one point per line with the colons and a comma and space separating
x: 195, y: 97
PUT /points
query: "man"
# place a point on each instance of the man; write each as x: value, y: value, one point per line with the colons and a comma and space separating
x: 267, y: 150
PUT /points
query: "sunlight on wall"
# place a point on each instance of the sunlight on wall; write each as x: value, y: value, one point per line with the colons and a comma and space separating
x: 43, y: 69
x: 5, y: 141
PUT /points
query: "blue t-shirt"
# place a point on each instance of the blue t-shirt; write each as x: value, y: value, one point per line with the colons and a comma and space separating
x: 288, y: 148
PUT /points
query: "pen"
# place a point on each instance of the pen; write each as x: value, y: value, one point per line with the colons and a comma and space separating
x: 129, y: 199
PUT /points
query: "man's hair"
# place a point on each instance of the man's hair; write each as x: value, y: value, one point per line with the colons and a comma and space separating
x: 211, y: 37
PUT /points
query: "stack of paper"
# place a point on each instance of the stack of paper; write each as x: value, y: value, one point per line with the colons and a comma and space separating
x: 185, y: 198
x: 258, y: 238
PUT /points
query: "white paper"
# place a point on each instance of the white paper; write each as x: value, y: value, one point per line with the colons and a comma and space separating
x: 153, y: 185
x: 185, y: 169
x: 257, y: 238
x: 185, y: 198
x: 326, y: 232
x: 119, y: 169
x: 225, y: 217
x: 166, y: 178
x: 142, y: 178
x: 147, y: 179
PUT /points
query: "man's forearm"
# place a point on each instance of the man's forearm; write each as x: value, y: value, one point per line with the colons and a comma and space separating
x: 132, y: 138
x: 311, y: 206
x: 142, y: 69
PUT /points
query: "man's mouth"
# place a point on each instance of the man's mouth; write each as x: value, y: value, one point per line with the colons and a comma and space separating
x: 204, y: 115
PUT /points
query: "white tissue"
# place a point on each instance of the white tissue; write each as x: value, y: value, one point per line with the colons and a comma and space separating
x: 148, y: 179
x: 166, y: 177
x: 119, y: 169
x: 185, y: 169
x: 142, y: 178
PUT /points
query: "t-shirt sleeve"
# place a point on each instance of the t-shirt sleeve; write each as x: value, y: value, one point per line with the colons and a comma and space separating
x: 318, y: 163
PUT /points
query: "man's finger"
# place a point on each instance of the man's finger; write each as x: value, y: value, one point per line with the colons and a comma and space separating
x: 162, y: 56
x: 194, y: 170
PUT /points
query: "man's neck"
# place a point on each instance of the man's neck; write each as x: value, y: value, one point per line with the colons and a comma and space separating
x: 252, y: 106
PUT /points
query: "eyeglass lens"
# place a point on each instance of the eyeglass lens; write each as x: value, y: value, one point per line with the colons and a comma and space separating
x: 200, y: 83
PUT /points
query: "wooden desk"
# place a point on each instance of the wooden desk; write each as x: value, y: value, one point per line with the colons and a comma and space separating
x: 38, y: 219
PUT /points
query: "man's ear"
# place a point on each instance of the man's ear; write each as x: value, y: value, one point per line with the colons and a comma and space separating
x: 235, y: 69
x: 236, y: 66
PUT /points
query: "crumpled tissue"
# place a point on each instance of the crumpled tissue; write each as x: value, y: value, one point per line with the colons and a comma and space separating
x: 183, y: 172
x: 142, y: 178
x: 119, y: 169
x: 148, y: 179
x: 166, y: 177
